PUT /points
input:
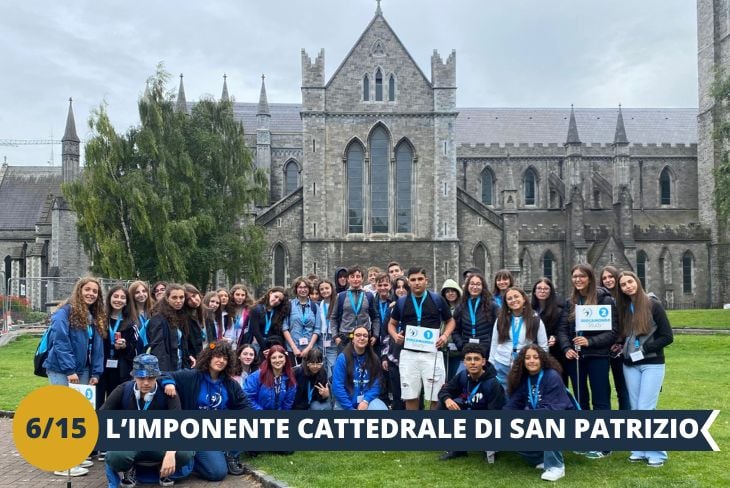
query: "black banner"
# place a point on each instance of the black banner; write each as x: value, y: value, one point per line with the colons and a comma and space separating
x: 499, y: 430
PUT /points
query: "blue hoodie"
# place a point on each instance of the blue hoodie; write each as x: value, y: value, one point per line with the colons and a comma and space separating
x: 348, y: 400
x: 68, y: 347
x: 263, y: 397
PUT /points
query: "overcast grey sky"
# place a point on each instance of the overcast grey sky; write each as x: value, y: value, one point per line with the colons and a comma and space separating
x: 510, y: 53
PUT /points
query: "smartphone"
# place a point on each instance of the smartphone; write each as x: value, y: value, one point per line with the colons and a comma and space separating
x: 117, y: 336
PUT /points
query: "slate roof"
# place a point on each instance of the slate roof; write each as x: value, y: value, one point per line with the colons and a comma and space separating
x: 24, y: 195
x: 528, y: 125
x: 595, y: 125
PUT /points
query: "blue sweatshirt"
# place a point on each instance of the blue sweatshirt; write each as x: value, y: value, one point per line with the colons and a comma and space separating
x: 361, y: 377
x: 551, y: 394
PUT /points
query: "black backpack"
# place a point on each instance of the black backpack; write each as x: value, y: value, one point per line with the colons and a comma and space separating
x: 41, y: 354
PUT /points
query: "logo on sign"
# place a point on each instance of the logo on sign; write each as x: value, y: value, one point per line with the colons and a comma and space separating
x: 587, y: 312
x: 603, y: 312
x: 428, y: 335
x: 413, y: 332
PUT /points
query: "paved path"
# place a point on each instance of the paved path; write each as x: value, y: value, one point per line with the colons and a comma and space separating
x: 15, y: 472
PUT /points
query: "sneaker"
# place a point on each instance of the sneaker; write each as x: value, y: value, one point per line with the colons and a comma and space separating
x: 655, y: 463
x: 489, y: 457
x: 75, y: 471
x: 451, y: 455
x: 101, y: 456
x: 540, y: 466
x: 234, y: 466
x: 86, y: 463
x: 129, y: 479
x: 166, y: 481
x: 581, y: 453
x: 553, y: 474
x: 637, y: 459
x: 597, y: 454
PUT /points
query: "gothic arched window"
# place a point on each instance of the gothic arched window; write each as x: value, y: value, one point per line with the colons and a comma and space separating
x: 378, y: 85
x: 291, y: 177
x: 548, y: 265
x: 403, y: 175
x: 379, y: 180
x: 665, y: 187
x: 355, y: 157
x: 366, y: 88
x: 487, y: 187
x: 687, y: 265
x: 480, y: 258
x: 391, y: 88
x: 530, y: 187
x: 279, y: 265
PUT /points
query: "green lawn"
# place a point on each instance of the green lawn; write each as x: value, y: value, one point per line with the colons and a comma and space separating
x: 705, y: 319
x: 694, y: 381
x: 16, y: 371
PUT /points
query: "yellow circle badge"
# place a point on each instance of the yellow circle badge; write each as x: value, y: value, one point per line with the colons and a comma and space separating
x: 55, y: 428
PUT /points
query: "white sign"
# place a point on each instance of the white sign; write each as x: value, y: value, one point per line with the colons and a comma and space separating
x: 591, y: 318
x: 89, y: 392
x: 421, y: 338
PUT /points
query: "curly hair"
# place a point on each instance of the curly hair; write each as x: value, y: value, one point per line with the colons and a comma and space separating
x: 282, y: 310
x: 79, y: 317
x: 518, y: 372
x: 175, y: 318
x: 218, y: 349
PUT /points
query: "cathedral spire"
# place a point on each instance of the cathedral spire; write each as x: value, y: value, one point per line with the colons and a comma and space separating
x: 70, y: 132
x: 263, y: 101
x: 181, y: 105
x: 378, y: 11
x: 224, y: 93
x: 620, y: 137
x: 573, y: 137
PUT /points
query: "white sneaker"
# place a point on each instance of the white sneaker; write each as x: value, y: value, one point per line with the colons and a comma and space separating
x: 86, y: 463
x: 540, y: 466
x: 75, y: 471
x: 553, y: 474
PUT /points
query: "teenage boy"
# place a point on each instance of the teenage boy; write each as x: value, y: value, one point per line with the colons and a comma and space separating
x: 474, y: 388
x: 418, y: 368
x: 383, y: 300
x: 354, y: 308
x: 394, y: 270
x: 143, y: 393
x: 371, y: 286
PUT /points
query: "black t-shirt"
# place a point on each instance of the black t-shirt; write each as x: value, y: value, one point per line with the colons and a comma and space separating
x: 429, y: 318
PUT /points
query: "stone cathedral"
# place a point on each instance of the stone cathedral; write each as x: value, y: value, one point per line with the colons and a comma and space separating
x: 379, y: 163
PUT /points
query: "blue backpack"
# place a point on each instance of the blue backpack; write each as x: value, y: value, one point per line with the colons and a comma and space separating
x: 41, y: 354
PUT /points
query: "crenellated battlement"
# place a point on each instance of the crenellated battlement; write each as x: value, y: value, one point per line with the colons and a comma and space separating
x: 692, y: 231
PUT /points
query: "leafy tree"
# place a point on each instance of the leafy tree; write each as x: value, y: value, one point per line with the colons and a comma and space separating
x: 168, y: 199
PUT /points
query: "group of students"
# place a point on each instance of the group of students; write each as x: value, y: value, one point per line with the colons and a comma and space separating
x: 339, y: 344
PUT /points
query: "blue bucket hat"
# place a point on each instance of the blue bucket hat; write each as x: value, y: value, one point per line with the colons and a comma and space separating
x: 145, y: 366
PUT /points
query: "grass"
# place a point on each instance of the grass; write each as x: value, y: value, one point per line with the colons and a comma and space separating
x: 16, y: 371
x: 695, y: 380
x: 706, y: 319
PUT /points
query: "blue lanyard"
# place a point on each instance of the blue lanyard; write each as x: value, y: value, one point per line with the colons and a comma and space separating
x: 326, y: 308
x: 498, y: 301
x: 90, y: 332
x: 238, y: 321
x: 471, y: 394
x: 355, y: 308
x: 631, y: 308
x: 310, y: 390
x: 146, y: 404
x: 383, y: 311
x: 473, y: 314
x: 113, y: 331
x: 361, y: 382
x: 515, y: 334
x: 305, y: 319
x: 143, y: 329
x: 269, y: 316
x: 534, y: 396
x: 419, y: 307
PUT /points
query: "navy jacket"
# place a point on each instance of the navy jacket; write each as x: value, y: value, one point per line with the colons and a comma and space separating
x: 488, y: 395
x: 552, y: 394
x: 600, y: 342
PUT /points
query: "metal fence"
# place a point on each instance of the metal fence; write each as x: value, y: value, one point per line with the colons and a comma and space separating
x: 27, y: 302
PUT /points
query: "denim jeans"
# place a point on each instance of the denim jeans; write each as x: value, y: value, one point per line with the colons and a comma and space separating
x: 644, y: 382
x: 376, y: 404
x: 121, y: 461
x: 551, y: 459
x: 56, y: 378
x: 593, y: 369
x: 211, y: 465
x: 502, y: 373
x: 619, y: 383
x: 325, y: 405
